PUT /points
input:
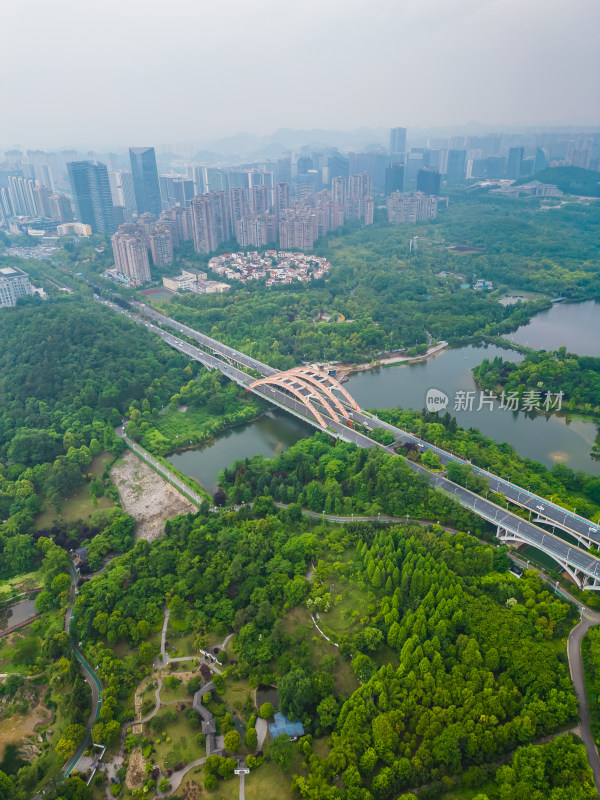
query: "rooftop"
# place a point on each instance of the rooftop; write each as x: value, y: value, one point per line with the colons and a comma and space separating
x: 283, y: 725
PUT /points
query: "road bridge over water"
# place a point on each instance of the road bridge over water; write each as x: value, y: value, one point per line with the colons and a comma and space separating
x: 310, y: 395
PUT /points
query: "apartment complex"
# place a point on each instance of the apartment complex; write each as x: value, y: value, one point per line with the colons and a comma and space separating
x: 411, y: 208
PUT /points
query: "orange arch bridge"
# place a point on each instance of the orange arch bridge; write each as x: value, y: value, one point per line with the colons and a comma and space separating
x: 315, y: 390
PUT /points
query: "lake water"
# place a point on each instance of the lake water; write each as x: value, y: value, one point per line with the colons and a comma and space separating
x: 267, y: 436
x: 548, y: 439
x: 573, y: 325
x: 19, y: 612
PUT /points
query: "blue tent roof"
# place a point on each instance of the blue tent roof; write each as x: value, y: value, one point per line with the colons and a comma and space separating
x: 283, y: 725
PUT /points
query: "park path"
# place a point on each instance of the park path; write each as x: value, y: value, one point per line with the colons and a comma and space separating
x: 163, y: 635
x: 261, y: 732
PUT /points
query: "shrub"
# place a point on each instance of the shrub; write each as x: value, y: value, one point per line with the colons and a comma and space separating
x: 210, y: 782
x: 251, y: 739
x: 266, y: 711
x: 232, y: 741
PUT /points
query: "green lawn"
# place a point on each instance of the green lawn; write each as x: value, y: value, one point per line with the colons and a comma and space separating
x: 299, y: 624
x: 235, y: 697
x: 182, y: 745
x: 79, y: 505
x: 268, y: 783
x: 28, y: 580
x: 191, y: 425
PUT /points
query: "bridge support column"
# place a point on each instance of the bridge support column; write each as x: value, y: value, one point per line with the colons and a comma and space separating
x: 581, y: 580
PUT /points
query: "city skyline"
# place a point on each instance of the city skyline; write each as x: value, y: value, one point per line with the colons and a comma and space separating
x: 454, y: 75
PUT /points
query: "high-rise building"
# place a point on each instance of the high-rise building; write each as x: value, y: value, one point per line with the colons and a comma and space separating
x: 61, y: 208
x: 402, y: 208
x: 515, y: 160
x: 358, y: 188
x: 14, y: 283
x: 337, y: 167
x: 238, y: 204
x: 210, y: 221
x: 283, y: 170
x: 282, y: 198
x: 428, y: 181
x: 541, y: 159
x: 260, y: 199
x: 42, y: 196
x: 369, y: 210
x: 394, y: 179
x: 176, y: 191
x: 338, y: 191
x: 397, y: 143
x: 121, y: 187
x: 21, y: 196
x: 298, y: 230
x: 161, y: 246
x: 145, y: 180
x: 91, y: 190
x: 457, y: 163
x: 179, y: 221
x: 581, y: 158
x: 131, y: 254
x: 256, y: 230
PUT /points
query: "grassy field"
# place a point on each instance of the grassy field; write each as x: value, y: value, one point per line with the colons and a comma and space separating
x: 235, y: 697
x: 182, y: 745
x: 299, y: 625
x: 186, y: 426
x: 28, y: 580
x: 79, y: 505
x: 268, y: 783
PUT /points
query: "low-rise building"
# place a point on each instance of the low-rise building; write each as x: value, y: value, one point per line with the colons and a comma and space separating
x: 193, y: 280
x: 74, y: 229
x: 14, y: 283
x: 531, y: 189
x: 276, y: 266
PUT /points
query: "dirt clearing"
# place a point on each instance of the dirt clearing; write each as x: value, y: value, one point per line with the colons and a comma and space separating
x: 147, y: 496
x: 135, y: 770
x: 17, y: 728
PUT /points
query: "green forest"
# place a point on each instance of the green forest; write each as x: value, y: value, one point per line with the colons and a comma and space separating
x: 577, y: 377
x: 570, y: 180
x: 417, y: 663
x: 570, y: 489
x: 390, y: 298
x: 453, y: 656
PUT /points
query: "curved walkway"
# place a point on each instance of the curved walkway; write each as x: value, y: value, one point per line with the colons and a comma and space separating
x: 589, y: 618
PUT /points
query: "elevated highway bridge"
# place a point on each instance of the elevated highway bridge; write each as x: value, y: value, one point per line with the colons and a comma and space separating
x: 319, y: 400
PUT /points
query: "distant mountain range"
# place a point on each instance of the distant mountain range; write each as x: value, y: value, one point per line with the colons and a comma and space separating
x: 245, y: 145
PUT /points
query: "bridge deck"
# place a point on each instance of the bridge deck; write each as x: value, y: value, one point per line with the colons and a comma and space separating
x: 578, y: 562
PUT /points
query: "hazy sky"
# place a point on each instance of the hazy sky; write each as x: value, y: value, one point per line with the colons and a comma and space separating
x: 119, y: 72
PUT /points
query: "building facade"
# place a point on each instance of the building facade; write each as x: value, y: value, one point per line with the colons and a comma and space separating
x: 145, y: 180
x: 403, y: 208
x: 91, y: 190
x: 14, y: 283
